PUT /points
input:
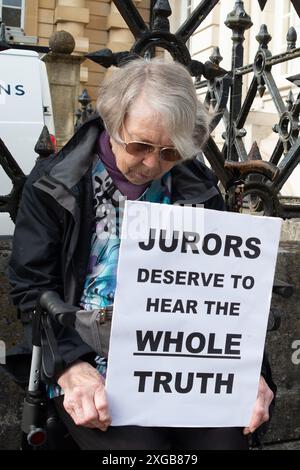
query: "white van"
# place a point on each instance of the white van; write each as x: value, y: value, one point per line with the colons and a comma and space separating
x: 25, y: 107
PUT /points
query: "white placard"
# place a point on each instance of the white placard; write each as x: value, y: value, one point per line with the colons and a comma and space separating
x: 190, y: 316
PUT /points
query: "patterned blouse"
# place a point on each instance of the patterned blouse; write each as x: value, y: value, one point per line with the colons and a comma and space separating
x: 100, y: 284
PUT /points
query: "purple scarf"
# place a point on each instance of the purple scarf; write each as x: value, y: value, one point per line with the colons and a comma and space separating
x: 130, y: 190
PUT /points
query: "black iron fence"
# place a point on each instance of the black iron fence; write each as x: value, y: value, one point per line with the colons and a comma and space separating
x: 246, y: 178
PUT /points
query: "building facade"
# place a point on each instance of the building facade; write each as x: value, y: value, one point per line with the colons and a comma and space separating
x: 94, y: 24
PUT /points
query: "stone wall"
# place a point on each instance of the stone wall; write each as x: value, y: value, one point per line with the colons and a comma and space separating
x: 285, y: 425
x: 10, y: 332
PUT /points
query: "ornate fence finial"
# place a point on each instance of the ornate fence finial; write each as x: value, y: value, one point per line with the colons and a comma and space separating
x: 84, y: 99
x: 216, y: 57
x: 86, y: 110
x: 44, y: 146
x: 290, y: 101
x: 161, y: 12
x: 263, y: 37
x: 254, y: 153
x: 261, y: 86
x: 238, y: 19
x: 291, y: 38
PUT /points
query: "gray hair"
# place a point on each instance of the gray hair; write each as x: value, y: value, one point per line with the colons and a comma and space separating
x: 169, y: 89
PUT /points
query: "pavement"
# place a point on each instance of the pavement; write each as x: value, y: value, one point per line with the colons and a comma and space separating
x: 291, y: 445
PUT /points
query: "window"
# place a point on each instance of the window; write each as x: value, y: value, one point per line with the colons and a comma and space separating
x: 11, y: 13
x: 291, y: 19
x: 295, y: 20
x: 189, y: 8
x: 184, y: 11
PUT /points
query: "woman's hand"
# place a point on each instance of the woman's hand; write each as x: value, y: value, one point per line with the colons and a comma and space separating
x: 85, y: 397
x: 261, y: 408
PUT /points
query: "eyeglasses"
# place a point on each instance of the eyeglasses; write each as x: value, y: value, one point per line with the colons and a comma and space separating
x: 142, y: 149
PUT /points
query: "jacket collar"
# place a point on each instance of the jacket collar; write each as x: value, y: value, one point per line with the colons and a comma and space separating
x: 192, y: 182
x: 74, y: 158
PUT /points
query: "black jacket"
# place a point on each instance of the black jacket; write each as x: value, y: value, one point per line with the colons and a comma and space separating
x: 55, y: 222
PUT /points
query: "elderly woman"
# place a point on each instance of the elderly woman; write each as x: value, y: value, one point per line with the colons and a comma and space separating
x: 142, y: 147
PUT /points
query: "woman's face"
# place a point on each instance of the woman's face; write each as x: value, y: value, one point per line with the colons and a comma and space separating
x: 145, y: 125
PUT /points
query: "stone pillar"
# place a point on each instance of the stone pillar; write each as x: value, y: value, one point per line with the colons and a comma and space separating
x: 64, y: 78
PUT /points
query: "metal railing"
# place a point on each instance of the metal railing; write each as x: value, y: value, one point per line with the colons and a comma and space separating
x: 239, y: 172
x: 246, y: 178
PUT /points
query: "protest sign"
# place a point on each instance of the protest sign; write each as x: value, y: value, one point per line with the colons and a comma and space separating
x: 190, y: 315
